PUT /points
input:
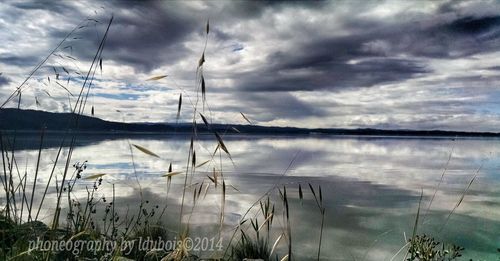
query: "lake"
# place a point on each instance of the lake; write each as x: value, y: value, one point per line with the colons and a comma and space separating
x: 371, y: 186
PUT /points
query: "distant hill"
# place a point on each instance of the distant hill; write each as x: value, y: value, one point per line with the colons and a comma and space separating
x: 32, y: 120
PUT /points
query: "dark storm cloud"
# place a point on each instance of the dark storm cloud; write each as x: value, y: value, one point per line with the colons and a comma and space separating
x: 3, y: 80
x: 144, y: 35
x: 462, y: 37
x: 475, y: 26
x: 366, y: 57
x: 321, y: 66
x: 243, y: 9
x: 494, y: 68
x: 332, y: 64
x: 18, y: 60
x: 52, y: 6
x: 268, y: 107
x: 149, y: 34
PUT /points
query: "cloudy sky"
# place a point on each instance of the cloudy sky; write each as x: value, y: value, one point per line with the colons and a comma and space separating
x: 383, y: 64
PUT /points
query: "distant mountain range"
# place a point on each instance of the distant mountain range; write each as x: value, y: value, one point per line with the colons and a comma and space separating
x: 32, y: 120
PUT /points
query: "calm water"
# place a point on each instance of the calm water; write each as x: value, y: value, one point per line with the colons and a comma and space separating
x: 371, y: 186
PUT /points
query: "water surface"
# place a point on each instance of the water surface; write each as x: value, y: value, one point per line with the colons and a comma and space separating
x: 371, y: 186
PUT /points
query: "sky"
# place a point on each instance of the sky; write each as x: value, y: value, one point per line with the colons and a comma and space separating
x: 333, y: 64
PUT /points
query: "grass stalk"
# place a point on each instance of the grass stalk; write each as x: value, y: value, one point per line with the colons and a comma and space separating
x: 462, y: 196
x: 4, y: 181
x: 36, y: 174
x: 54, y: 165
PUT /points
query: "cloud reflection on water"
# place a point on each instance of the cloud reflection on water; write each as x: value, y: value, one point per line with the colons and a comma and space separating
x: 371, y: 185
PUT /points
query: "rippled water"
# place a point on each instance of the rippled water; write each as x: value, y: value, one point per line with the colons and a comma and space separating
x: 371, y: 186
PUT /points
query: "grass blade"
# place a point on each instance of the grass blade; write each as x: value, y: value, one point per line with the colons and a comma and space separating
x: 461, y: 197
x: 275, y: 245
x: 194, y: 159
x: 179, y: 106
x: 223, y: 203
x: 91, y: 177
x: 205, y: 121
x: 221, y: 143
x: 301, y: 195
x: 170, y: 174
x: 320, y: 196
x: 146, y: 151
x: 415, y: 226
x: 156, y: 78
x: 66, y: 89
x: 202, y: 60
x: 203, y: 89
x: 202, y: 164
x: 246, y: 118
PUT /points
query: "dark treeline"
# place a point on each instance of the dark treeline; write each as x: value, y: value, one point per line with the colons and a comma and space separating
x: 32, y: 120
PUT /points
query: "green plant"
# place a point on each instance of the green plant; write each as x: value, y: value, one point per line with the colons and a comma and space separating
x: 425, y: 248
x: 251, y: 248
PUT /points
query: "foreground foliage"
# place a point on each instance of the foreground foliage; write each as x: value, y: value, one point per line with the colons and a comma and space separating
x: 425, y: 248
